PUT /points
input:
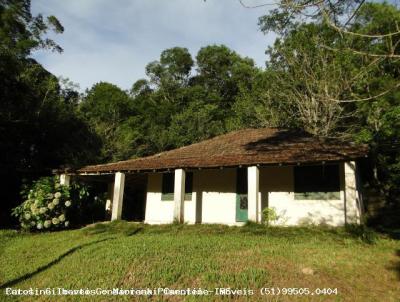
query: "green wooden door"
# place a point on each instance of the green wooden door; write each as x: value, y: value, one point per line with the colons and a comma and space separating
x: 241, y: 195
x: 241, y: 207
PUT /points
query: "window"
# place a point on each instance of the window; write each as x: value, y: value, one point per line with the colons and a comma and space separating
x: 317, y: 182
x: 168, y: 182
x: 241, y: 188
x: 241, y: 195
x: 188, y: 185
x: 241, y: 181
x: 167, y: 186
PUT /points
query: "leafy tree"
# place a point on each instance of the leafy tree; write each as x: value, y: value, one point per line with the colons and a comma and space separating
x: 20, y: 32
x: 312, y: 81
x: 197, y: 122
x: 379, y: 118
x: 171, y: 72
x: 223, y: 73
x: 39, y: 128
x: 177, y: 63
x: 256, y: 107
x: 178, y: 105
x: 331, y: 92
x: 105, y: 107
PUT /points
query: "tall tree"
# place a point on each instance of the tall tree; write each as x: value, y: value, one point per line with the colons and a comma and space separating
x: 105, y: 108
x: 180, y: 105
x: 39, y: 129
x: 331, y: 92
x: 222, y: 72
x: 21, y: 32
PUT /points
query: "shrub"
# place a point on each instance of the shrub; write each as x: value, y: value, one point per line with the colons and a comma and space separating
x: 270, y: 215
x: 49, y: 206
x: 45, y: 207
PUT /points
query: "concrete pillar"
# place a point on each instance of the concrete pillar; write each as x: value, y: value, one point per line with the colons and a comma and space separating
x: 253, y: 177
x: 351, y: 200
x: 65, y: 179
x: 118, y: 198
x: 179, y: 195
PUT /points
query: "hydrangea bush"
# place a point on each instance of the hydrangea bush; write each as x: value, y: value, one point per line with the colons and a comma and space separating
x: 45, y: 205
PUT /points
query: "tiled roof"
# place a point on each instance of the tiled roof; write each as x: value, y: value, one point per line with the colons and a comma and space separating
x: 266, y: 146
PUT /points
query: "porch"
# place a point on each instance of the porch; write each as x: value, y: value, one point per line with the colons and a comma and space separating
x: 300, y: 194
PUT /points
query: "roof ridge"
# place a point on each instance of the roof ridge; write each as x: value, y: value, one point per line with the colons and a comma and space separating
x: 157, y: 155
x: 207, y: 140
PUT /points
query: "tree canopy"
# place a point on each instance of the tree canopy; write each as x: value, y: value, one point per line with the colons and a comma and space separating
x: 39, y: 127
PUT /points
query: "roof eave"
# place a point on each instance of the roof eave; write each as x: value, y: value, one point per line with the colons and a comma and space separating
x: 104, y: 170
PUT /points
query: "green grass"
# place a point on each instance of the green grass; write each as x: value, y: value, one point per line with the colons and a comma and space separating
x: 129, y: 255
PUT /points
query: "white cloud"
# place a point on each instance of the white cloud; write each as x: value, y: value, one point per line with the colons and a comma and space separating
x: 114, y: 40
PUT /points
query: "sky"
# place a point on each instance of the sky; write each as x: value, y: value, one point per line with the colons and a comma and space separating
x: 113, y: 40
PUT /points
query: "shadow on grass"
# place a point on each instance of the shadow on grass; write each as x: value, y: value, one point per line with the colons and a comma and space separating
x: 392, y: 233
x: 114, y: 228
x: 366, y: 234
x: 117, y: 227
x: 50, y: 264
x: 396, y: 266
x: 358, y: 233
x: 292, y: 233
x: 301, y: 233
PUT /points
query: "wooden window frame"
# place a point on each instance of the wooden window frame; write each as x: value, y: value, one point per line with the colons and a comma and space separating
x: 167, y: 192
x: 306, y: 185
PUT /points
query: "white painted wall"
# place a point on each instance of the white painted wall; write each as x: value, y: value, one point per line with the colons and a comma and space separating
x: 214, y: 199
x: 217, y: 193
x: 157, y: 211
x: 277, y: 190
x: 160, y: 211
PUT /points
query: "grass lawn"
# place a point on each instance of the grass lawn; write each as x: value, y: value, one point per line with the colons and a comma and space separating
x: 129, y: 255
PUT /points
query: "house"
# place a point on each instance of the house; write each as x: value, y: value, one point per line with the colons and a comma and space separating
x: 231, y: 178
